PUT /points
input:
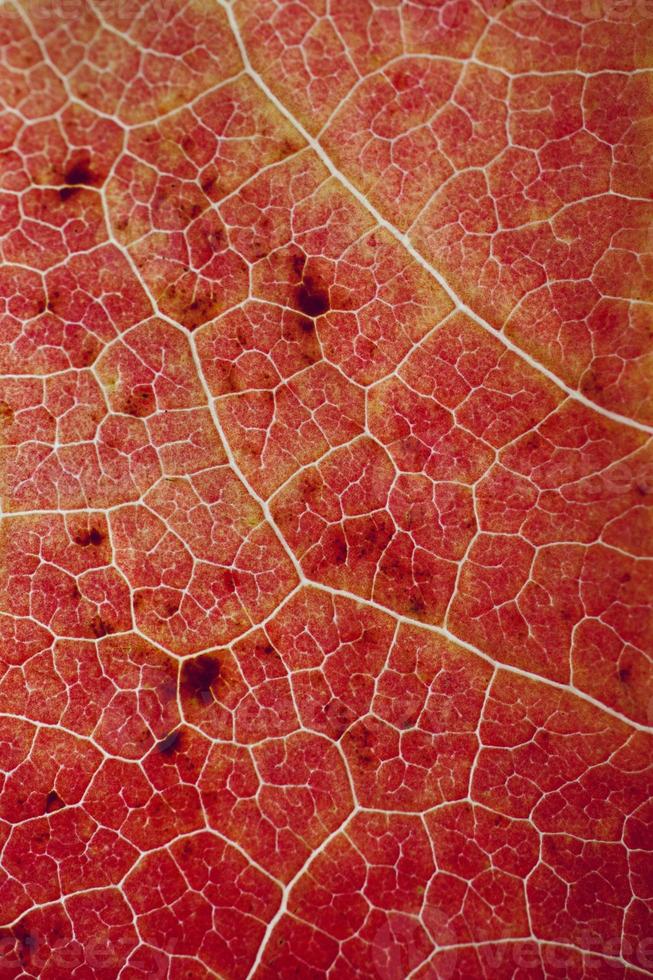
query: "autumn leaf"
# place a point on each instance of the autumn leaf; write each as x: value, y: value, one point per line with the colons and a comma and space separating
x: 326, y: 345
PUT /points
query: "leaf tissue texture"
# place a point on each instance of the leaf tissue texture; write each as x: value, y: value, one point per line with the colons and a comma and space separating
x: 326, y: 350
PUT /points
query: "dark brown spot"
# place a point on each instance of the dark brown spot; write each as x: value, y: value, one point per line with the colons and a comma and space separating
x: 170, y: 744
x: 624, y: 674
x: 305, y: 325
x: 53, y: 802
x: 92, y: 537
x: 642, y: 489
x: 96, y: 537
x: 312, y: 299
x: 53, y: 300
x: 198, y: 676
x: 340, y: 549
x: 417, y: 606
x: 65, y: 193
x: 78, y: 173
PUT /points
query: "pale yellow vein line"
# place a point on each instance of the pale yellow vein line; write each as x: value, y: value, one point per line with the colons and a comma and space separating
x: 408, y: 245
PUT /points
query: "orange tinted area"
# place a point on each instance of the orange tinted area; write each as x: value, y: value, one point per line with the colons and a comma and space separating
x: 325, y: 489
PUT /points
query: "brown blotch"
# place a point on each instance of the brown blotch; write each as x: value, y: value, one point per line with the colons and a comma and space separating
x: 78, y: 173
x: 370, y: 542
x: 198, y: 676
x: 338, y: 717
x: 65, y: 193
x: 53, y: 300
x: 591, y: 385
x: 339, y: 549
x: 533, y: 442
x: 140, y: 401
x: 92, y: 537
x: 86, y: 352
x: 170, y: 744
x: 6, y: 413
x: 363, y: 742
x: 193, y: 314
x: 417, y: 606
x: 100, y: 627
x: 287, y: 147
x: 312, y: 299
